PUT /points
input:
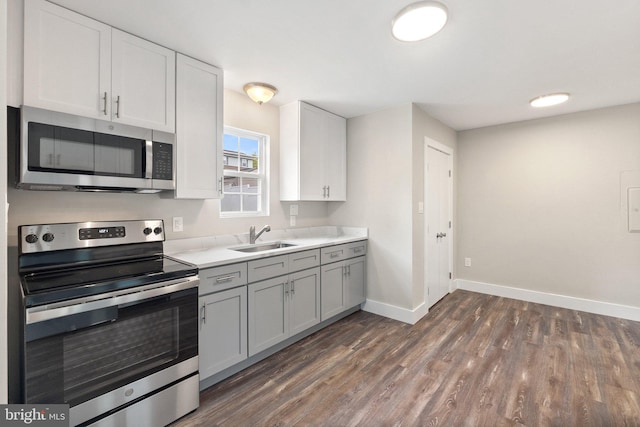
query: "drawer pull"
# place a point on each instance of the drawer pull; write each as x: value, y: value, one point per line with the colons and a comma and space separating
x: 335, y: 254
x: 225, y: 279
x: 358, y: 249
x: 305, y: 257
x: 269, y: 265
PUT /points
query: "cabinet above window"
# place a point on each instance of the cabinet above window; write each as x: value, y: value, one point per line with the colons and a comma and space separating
x: 313, y: 154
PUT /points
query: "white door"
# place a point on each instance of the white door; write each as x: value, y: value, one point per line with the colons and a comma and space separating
x: 67, y: 61
x: 143, y: 81
x: 438, y: 191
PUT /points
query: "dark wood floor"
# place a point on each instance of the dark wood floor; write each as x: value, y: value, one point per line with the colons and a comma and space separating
x: 474, y: 360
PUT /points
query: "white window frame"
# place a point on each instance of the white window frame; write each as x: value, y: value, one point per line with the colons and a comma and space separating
x: 262, y: 175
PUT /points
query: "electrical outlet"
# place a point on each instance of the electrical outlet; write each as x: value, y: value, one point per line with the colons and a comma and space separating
x: 177, y: 224
x: 467, y: 262
x: 292, y: 221
x: 293, y: 210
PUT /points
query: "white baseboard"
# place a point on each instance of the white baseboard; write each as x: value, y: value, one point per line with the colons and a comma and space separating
x: 572, y: 303
x: 394, y: 312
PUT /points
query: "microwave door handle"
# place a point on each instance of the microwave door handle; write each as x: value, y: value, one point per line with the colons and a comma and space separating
x: 149, y: 161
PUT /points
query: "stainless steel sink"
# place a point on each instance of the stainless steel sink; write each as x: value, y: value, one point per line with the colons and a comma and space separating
x: 263, y: 247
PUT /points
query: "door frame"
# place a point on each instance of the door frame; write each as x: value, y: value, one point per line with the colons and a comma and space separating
x: 431, y: 143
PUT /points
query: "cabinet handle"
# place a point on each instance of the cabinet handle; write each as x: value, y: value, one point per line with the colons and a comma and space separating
x: 104, y: 104
x: 328, y: 191
x: 334, y: 255
x: 57, y: 159
x: 358, y: 249
x: 269, y: 265
x: 118, y: 106
x: 349, y: 270
x: 286, y: 290
x: 324, y: 192
x: 203, y: 314
x: 304, y: 257
x: 220, y: 185
x: 293, y: 287
x: 225, y: 279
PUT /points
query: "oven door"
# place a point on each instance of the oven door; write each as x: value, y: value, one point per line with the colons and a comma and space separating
x: 79, y: 350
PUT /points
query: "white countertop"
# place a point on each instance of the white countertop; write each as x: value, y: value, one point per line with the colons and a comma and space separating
x: 216, y: 250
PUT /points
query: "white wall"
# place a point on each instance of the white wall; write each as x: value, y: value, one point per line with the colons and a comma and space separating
x: 379, y: 197
x: 541, y: 205
x: 385, y: 182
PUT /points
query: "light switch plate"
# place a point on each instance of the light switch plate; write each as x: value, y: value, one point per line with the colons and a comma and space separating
x: 293, y: 210
x: 420, y: 207
x: 177, y: 224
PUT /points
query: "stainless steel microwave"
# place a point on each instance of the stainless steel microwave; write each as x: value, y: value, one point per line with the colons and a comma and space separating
x: 65, y: 152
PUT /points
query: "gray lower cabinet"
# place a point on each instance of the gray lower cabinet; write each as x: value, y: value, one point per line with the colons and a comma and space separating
x: 343, y: 286
x: 281, y: 307
x: 223, y: 330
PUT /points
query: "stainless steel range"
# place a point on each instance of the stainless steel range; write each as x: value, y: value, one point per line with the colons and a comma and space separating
x: 110, y: 323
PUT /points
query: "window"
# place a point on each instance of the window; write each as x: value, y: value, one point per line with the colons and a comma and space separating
x: 246, y: 187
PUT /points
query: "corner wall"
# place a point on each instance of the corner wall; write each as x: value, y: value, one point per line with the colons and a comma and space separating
x: 379, y: 197
x: 542, y: 205
x: 385, y: 183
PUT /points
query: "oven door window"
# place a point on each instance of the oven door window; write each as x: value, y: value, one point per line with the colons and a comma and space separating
x: 120, y: 345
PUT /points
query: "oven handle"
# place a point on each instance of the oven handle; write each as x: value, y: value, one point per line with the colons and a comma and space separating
x: 82, y: 305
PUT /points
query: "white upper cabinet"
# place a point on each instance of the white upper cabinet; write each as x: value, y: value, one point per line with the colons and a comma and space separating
x: 143, y: 82
x: 76, y: 65
x: 198, y: 130
x: 67, y: 61
x: 313, y: 154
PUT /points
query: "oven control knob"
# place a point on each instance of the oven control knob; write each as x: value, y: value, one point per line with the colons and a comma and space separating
x: 31, y: 238
x: 157, y: 230
x: 48, y: 237
x: 147, y: 231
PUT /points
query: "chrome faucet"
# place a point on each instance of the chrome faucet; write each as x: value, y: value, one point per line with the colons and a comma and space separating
x: 252, y: 233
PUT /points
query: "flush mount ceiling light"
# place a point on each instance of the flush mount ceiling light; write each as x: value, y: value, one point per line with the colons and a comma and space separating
x: 549, y: 100
x: 260, y: 92
x: 419, y: 21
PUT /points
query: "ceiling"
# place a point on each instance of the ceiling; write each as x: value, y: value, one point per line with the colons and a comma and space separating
x: 482, y: 69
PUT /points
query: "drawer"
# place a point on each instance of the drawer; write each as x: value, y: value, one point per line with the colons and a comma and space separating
x: 303, y: 260
x: 356, y: 249
x: 336, y: 253
x: 219, y: 278
x: 265, y: 268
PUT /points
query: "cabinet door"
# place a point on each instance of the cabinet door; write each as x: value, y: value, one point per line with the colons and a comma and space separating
x: 304, y: 307
x: 223, y: 330
x: 198, y: 130
x: 313, y: 137
x: 356, y: 281
x: 268, y: 313
x: 333, y: 295
x: 67, y: 61
x: 143, y: 83
x: 336, y: 158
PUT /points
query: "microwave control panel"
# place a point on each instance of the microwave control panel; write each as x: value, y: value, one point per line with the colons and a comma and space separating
x: 162, y: 161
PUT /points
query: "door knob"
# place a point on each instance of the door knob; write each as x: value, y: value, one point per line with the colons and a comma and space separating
x: 439, y: 235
